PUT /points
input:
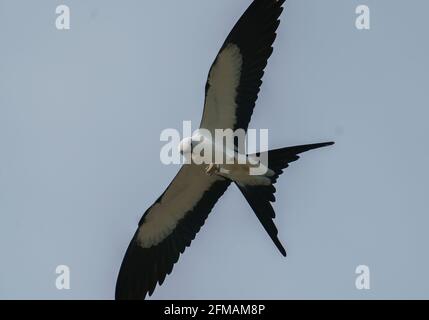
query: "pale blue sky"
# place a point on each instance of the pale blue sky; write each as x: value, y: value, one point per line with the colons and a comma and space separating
x: 81, y: 112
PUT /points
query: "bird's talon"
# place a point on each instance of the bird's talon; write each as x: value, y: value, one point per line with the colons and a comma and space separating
x: 212, y: 169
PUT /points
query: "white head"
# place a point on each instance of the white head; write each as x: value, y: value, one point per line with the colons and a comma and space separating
x: 185, y: 147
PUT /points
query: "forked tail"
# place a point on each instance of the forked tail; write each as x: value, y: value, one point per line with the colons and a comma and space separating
x: 260, y: 197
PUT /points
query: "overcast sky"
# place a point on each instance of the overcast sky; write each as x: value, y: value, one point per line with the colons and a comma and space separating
x: 81, y: 112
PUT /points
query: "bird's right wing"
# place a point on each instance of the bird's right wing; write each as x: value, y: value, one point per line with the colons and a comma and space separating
x: 166, y: 229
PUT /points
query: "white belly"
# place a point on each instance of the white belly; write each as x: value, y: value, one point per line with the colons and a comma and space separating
x: 237, y: 168
x: 241, y: 173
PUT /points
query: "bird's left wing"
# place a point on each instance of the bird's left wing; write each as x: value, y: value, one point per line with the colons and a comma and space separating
x: 236, y: 75
x: 166, y: 229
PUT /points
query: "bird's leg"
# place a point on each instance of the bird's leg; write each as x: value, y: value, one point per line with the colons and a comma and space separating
x: 212, y: 169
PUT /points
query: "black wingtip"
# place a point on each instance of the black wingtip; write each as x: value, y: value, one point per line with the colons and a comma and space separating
x: 133, y: 282
x: 280, y: 247
x: 319, y: 145
x: 283, y: 252
x: 304, y: 148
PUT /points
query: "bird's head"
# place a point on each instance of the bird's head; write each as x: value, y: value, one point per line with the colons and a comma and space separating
x: 186, y: 146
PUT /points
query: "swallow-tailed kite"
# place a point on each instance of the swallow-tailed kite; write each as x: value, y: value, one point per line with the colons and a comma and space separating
x: 172, y: 222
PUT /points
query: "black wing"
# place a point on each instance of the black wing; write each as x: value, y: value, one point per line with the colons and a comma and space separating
x: 166, y: 229
x: 236, y: 75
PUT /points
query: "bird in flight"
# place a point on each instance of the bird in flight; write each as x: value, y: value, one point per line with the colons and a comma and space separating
x: 232, y: 88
